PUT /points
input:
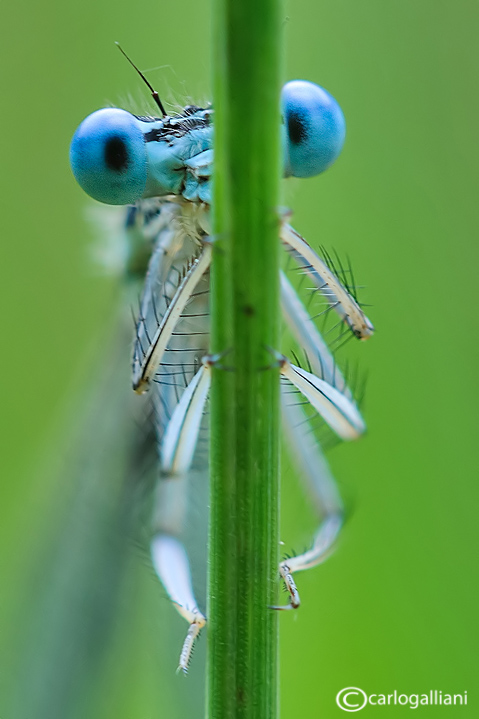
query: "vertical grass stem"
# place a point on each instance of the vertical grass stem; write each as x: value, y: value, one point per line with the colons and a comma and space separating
x: 243, y: 551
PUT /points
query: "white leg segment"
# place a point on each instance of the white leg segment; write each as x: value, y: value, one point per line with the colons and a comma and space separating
x: 341, y: 413
x: 309, y: 338
x: 328, y: 283
x: 144, y: 371
x: 168, y: 553
x: 321, y: 488
x: 172, y: 566
x: 181, y: 434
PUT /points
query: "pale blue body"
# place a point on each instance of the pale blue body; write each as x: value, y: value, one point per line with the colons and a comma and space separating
x: 163, y: 169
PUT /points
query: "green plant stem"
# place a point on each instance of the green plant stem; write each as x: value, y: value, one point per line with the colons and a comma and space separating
x: 243, y: 546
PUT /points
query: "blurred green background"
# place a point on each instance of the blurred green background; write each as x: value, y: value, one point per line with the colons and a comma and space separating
x: 396, y: 607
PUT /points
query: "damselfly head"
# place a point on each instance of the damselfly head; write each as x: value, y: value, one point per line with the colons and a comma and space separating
x: 119, y: 158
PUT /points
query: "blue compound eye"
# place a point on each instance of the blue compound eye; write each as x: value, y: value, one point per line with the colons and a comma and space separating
x: 314, y: 129
x: 108, y: 157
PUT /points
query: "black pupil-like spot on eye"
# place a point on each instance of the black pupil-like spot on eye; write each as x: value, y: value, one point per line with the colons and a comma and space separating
x: 297, y: 127
x: 116, y: 154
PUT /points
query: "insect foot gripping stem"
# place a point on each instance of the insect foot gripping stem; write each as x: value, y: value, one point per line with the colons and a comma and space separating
x: 290, y: 585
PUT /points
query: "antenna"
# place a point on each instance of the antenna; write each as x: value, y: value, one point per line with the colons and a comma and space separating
x: 154, y: 94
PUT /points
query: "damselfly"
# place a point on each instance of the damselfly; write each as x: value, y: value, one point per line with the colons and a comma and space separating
x: 161, y: 168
